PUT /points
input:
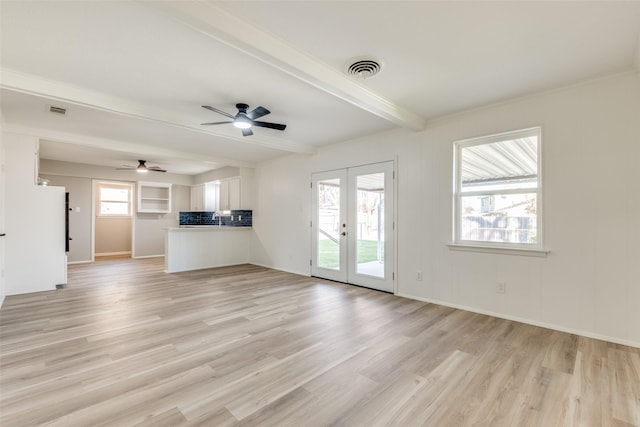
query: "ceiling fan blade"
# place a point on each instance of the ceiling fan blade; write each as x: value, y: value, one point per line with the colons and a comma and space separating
x: 214, y: 123
x: 126, y: 168
x: 224, y: 113
x: 156, y: 169
x: 277, y: 126
x: 258, y: 112
x: 246, y: 132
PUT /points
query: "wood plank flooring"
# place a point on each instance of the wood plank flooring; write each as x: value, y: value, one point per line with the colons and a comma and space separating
x: 125, y: 344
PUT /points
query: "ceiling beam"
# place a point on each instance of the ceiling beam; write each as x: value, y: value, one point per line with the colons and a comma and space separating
x: 123, y: 147
x: 56, y: 90
x: 219, y: 24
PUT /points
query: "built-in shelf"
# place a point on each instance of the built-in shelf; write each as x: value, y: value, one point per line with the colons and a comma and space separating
x: 154, y: 197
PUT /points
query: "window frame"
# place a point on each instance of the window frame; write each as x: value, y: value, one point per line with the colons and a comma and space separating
x: 114, y: 185
x: 499, y: 247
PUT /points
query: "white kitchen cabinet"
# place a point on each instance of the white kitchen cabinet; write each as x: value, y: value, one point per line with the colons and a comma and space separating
x: 197, y: 197
x: 204, y: 197
x: 211, y: 191
x: 229, y: 194
x: 154, y: 197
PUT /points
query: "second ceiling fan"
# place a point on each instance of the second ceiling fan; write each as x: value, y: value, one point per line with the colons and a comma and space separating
x: 243, y: 120
x: 142, y: 167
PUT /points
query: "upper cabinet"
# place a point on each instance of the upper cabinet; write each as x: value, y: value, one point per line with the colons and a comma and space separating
x: 222, y: 195
x: 229, y: 194
x: 204, y: 197
x: 154, y: 197
x: 197, y: 197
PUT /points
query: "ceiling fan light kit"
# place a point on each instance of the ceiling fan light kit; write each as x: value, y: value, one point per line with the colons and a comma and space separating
x: 243, y: 120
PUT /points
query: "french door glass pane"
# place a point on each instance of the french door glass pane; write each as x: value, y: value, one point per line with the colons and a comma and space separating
x: 370, y: 224
x: 329, y: 224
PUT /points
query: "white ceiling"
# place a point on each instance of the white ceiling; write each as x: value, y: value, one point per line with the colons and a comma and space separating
x: 134, y: 75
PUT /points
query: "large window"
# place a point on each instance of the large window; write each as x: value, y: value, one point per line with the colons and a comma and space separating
x: 114, y: 199
x: 498, y: 190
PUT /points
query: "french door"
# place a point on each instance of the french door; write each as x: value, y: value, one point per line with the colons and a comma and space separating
x: 352, y: 226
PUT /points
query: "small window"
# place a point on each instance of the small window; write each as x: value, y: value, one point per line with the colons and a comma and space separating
x: 498, y: 190
x: 114, y: 199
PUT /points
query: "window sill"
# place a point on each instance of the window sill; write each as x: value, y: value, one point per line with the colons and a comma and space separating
x: 498, y: 250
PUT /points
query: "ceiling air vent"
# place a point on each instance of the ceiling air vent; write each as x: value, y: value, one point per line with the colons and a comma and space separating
x: 57, y: 110
x: 363, y: 68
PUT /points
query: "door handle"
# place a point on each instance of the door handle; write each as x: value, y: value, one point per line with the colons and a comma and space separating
x: 344, y: 233
x: 3, y: 234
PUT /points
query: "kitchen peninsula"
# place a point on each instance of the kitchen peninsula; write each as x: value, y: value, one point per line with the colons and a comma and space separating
x: 208, y: 243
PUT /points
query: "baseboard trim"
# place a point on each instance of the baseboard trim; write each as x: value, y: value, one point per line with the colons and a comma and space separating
x: 554, y: 327
x: 148, y: 256
x: 79, y: 262
x: 113, y: 253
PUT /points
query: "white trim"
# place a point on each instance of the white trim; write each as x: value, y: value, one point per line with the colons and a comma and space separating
x: 79, y: 262
x: 395, y: 223
x: 134, y: 217
x: 498, y: 250
x: 458, y: 194
x: 499, y: 137
x: 527, y: 321
x: 148, y: 256
x: 92, y: 242
x: 113, y: 253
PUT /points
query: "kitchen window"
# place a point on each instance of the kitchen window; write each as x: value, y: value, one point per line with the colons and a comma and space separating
x: 498, y: 193
x: 114, y: 199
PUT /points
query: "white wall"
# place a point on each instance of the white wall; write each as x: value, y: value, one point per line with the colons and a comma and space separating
x: 150, y: 229
x: 34, y: 222
x: 588, y: 284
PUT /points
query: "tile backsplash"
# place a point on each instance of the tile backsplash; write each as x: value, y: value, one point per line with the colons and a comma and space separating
x: 239, y: 218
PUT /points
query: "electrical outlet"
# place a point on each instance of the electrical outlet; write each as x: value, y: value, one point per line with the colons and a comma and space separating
x: 501, y: 287
x: 419, y: 275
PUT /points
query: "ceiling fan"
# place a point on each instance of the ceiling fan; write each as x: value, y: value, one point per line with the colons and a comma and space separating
x: 244, y: 120
x: 142, y: 167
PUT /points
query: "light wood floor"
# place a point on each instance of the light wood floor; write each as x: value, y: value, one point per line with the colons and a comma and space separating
x: 126, y: 344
